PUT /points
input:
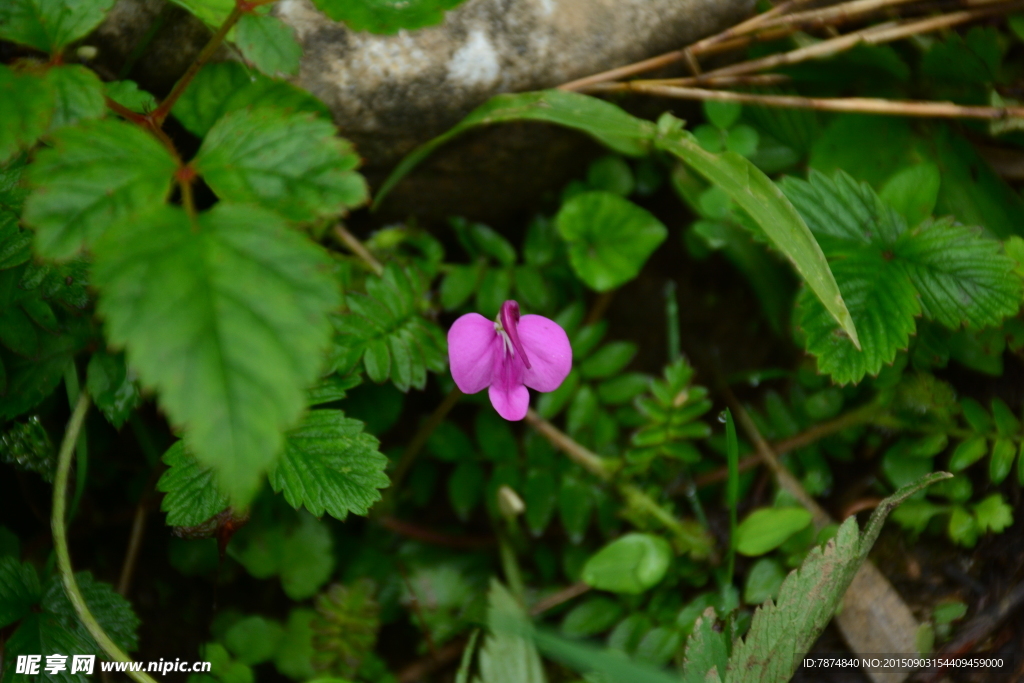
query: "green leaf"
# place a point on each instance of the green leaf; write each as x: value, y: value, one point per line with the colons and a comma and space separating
x: 112, y: 387
x: 507, y: 656
x: 1006, y: 422
x: 387, y: 16
x: 882, y: 301
x: 212, y: 12
x: 993, y: 514
x: 774, y: 214
x: 632, y: 564
x: 329, y: 464
x: 19, y: 589
x: 307, y: 559
x: 227, y: 320
x: 465, y: 487
x: 707, y: 652
x: 290, y: 163
x: 295, y: 653
x: 30, y: 380
x: 763, y: 581
x: 540, y: 494
x: 602, y: 120
x: 224, y: 87
x: 722, y: 114
x: 268, y: 44
x: 26, y: 115
x: 766, y: 529
x: 459, y: 284
x: 575, y: 506
x: 808, y: 599
x: 384, y: 329
x: 623, y: 388
x: 192, y: 492
x: 78, y: 94
x: 591, y: 617
x: 609, y: 238
x: 128, y: 94
x: 345, y: 628
x: 41, y: 633
x: 50, y: 25
x: 1001, y: 462
x: 608, y: 666
x: 111, y: 610
x: 96, y: 174
x: 970, y: 451
x: 962, y: 527
x: 948, y: 612
x: 913, y: 192
x: 611, y: 173
x: 254, y: 640
x: 609, y: 360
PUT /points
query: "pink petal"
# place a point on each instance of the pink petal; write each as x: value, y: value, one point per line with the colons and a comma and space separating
x: 550, y: 353
x: 507, y: 393
x: 473, y: 346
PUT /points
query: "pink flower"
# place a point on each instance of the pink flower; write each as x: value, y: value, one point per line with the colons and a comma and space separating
x: 507, y: 356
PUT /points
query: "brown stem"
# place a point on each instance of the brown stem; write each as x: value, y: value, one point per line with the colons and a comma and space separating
x: 357, y: 248
x: 422, y: 668
x: 863, y: 105
x: 599, y: 307
x: 161, y: 112
x: 134, y: 543
x: 432, y: 537
x: 556, y: 599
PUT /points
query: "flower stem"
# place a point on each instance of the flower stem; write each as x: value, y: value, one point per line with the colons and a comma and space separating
x: 60, y: 540
x: 161, y: 112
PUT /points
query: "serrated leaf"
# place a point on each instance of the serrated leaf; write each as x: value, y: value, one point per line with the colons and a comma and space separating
x: 192, y: 495
x: 993, y: 514
x: 211, y: 12
x: 30, y: 380
x: 228, y: 86
x: 386, y: 16
x: 96, y: 174
x: 50, y: 25
x: 268, y: 44
x: 293, y: 164
x: 19, y: 589
x: 227, y: 320
x: 782, y: 632
x: 42, y: 633
x: 27, y: 112
x: 506, y: 655
x: 962, y: 277
x: 78, y: 95
x: 330, y: 465
x: 609, y: 238
x: 707, y: 652
x: 602, y: 120
x: 111, y: 610
x: 883, y: 304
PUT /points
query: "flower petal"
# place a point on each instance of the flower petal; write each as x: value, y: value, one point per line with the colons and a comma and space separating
x: 472, y: 347
x: 550, y: 353
x: 510, y: 400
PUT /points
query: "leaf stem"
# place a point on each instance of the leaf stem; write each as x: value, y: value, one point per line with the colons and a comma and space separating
x: 60, y: 540
x: 160, y: 113
x: 358, y: 248
x: 419, y: 439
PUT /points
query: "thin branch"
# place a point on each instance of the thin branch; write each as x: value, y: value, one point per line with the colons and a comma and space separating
x: 432, y: 537
x: 556, y: 599
x: 357, y: 248
x: 60, y: 541
x: 862, y: 105
x: 583, y: 457
x: 132, y: 554
x: 161, y: 112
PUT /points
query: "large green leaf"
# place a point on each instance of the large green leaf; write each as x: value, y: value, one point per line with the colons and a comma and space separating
x: 112, y: 611
x: 329, y: 464
x: 96, y: 174
x: 602, y: 120
x: 294, y: 164
x: 28, y: 108
x: 889, y: 274
x: 507, y: 656
x: 386, y: 16
x: 268, y: 44
x: 43, y: 633
x: 227, y: 319
x: 765, y: 203
x: 228, y: 86
x: 50, y: 25
x: 609, y: 237
x: 192, y: 495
